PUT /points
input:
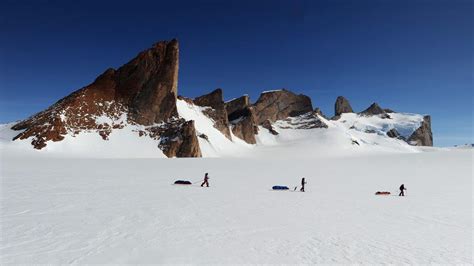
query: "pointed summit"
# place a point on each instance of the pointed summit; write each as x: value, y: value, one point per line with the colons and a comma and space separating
x: 145, y: 89
x: 342, y: 105
x: 374, y: 109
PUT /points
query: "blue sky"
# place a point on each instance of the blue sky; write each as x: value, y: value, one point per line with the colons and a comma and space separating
x: 411, y: 56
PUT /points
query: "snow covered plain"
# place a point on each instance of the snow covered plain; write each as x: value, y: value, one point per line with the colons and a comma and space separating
x: 86, y: 200
x: 78, y: 210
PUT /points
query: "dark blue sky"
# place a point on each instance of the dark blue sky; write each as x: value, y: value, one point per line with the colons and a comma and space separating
x: 411, y: 56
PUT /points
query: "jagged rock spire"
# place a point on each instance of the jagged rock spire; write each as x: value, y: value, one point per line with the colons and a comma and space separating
x: 145, y: 88
x: 341, y: 106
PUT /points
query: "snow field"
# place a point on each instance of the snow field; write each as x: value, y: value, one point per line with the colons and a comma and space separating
x: 64, y: 210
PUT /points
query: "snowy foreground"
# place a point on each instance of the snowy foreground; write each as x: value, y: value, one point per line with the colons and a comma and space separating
x: 66, y: 210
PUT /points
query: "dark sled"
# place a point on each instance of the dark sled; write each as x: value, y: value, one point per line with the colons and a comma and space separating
x: 280, y: 188
x: 382, y: 193
x: 182, y: 182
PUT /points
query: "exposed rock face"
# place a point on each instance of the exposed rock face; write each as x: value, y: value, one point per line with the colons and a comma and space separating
x: 268, y: 125
x: 145, y: 89
x: 183, y: 142
x: 153, y: 74
x: 143, y: 94
x: 244, y: 127
x: 276, y: 105
x: 423, y: 135
x: 236, y: 107
x: 318, y: 111
x: 217, y: 110
x: 341, y: 106
x: 204, y: 136
x: 374, y: 109
x: 75, y: 113
x: 242, y: 119
x: 304, y: 121
x: 393, y: 133
x: 177, y: 138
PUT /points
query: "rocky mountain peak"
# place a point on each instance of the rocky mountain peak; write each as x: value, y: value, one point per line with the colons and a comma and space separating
x: 142, y: 94
x: 213, y: 99
x: 236, y: 106
x: 150, y: 81
x: 216, y: 110
x: 373, y: 109
x: 242, y: 119
x: 280, y: 104
x: 143, y: 89
x: 423, y: 135
x: 341, y: 106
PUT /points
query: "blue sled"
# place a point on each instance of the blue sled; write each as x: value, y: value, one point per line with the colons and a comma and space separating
x: 280, y: 188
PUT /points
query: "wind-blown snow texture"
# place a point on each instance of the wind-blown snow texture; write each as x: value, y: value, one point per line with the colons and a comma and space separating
x: 86, y: 200
x: 127, y: 210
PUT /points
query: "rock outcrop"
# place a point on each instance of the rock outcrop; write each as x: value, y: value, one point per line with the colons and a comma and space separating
x: 373, y: 109
x: 216, y: 110
x: 393, y: 133
x: 180, y: 141
x: 76, y: 112
x: 245, y: 128
x: 236, y: 107
x: 142, y: 94
x: 304, y: 121
x: 149, y: 83
x: 423, y: 135
x: 280, y: 104
x: 341, y: 106
x: 318, y: 111
x: 268, y: 125
x: 241, y: 116
x: 144, y: 90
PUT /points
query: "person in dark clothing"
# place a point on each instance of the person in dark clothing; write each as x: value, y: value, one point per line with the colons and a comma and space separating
x: 206, y: 181
x: 402, y: 188
x: 303, y: 182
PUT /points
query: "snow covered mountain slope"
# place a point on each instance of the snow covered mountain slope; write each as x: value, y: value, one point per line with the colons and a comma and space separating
x: 116, y: 211
x: 331, y: 142
x: 136, y: 108
x: 352, y: 134
x: 121, y: 143
x: 216, y: 144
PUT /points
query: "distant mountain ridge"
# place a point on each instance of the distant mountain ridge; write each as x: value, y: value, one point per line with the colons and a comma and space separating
x: 143, y: 95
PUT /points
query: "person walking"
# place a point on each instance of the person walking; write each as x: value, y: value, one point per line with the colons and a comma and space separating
x: 402, y: 188
x: 206, y: 181
x: 303, y: 182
